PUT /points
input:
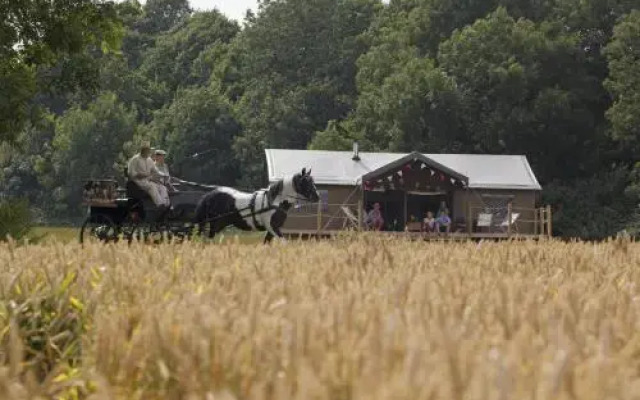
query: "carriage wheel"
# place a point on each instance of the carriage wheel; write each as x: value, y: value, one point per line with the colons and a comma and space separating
x: 100, y: 229
x: 134, y: 229
x: 143, y: 233
x: 180, y: 233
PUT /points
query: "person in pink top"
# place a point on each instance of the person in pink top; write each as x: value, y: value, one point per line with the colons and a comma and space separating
x: 374, y: 218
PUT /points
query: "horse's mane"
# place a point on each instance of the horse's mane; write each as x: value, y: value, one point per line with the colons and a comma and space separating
x: 275, y: 189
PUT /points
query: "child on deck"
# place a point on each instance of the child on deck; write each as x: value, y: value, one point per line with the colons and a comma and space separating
x: 429, y: 223
x: 443, y: 220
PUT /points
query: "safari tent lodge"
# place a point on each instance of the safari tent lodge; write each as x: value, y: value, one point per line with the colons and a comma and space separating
x: 485, y: 195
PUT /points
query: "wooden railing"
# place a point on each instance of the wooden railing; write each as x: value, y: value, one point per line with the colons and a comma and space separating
x: 323, y: 218
x: 512, y: 220
x: 326, y: 217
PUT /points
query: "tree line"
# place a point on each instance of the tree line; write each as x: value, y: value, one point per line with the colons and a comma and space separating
x: 555, y: 80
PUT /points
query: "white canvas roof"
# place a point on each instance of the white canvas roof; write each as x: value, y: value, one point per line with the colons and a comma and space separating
x: 338, y: 168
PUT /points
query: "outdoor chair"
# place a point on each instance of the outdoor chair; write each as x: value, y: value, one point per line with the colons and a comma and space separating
x: 484, y: 221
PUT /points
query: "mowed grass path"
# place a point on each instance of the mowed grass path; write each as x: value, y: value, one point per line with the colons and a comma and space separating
x: 356, y: 318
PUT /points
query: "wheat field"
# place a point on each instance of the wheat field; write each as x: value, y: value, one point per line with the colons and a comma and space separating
x: 363, y: 317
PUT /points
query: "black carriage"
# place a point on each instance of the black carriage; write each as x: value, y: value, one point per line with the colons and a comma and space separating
x: 115, y: 213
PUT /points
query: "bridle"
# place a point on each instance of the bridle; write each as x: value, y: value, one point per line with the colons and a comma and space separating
x: 296, y: 187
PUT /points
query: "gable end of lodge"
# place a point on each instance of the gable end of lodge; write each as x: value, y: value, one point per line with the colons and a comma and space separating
x: 484, y: 196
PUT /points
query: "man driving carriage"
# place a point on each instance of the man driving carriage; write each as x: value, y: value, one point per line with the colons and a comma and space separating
x: 145, y: 174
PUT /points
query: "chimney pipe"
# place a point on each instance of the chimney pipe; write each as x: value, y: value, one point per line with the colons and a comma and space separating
x: 356, y: 152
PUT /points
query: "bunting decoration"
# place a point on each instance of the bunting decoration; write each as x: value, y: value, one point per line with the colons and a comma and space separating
x: 409, y: 176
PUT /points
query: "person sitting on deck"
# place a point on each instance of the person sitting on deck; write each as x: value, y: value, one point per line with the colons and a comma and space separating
x: 429, y: 223
x: 443, y: 220
x: 374, y: 218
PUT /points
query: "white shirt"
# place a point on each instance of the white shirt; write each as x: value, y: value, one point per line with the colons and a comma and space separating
x: 163, y: 171
x: 139, y: 165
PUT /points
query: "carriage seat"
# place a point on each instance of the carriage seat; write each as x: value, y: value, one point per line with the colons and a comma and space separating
x: 135, y: 192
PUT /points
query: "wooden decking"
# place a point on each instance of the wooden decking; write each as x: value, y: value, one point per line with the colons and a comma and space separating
x: 456, y: 236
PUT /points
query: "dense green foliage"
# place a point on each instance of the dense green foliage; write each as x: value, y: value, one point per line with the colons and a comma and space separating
x: 15, y: 219
x: 41, y: 43
x: 555, y: 80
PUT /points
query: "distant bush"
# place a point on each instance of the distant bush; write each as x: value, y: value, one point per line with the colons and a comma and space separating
x: 15, y: 219
x: 591, y: 208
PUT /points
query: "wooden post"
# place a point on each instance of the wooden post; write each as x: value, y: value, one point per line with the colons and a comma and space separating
x: 535, y: 221
x: 359, y: 215
x: 469, y: 212
x: 509, y: 211
x: 549, y: 223
x: 406, y: 219
x: 319, y: 216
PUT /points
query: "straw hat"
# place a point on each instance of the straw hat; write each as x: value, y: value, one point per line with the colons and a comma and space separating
x: 160, y: 152
x: 145, y: 145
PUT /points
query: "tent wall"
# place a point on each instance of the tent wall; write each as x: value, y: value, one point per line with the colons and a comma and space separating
x: 306, y: 217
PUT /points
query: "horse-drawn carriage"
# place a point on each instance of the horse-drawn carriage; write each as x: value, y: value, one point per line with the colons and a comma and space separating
x: 115, y: 213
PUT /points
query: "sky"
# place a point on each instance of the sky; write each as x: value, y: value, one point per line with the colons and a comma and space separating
x: 235, y: 9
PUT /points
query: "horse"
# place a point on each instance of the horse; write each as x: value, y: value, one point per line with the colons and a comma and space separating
x: 262, y: 210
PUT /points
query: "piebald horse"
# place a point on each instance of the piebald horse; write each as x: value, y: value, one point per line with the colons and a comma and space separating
x: 262, y: 210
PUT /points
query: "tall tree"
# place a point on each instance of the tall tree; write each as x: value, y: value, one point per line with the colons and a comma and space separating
x: 87, y: 144
x: 163, y: 15
x: 526, y: 90
x: 185, y: 56
x: 297, y: 65
x: 37, y: 34
x: 198, y: 129
x: 623, y: 54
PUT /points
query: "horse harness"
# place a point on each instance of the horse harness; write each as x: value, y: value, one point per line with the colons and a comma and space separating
x: 252, y: 208
x: 285, y: 205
